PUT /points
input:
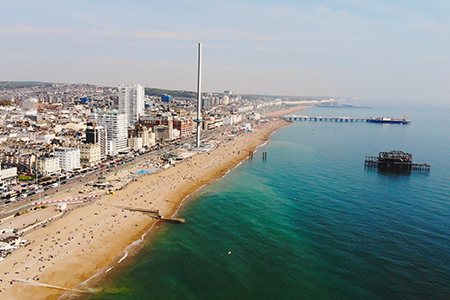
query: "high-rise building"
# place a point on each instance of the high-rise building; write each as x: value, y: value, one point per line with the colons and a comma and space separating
x: 131, y: 102
x: 116, y: 130
x: 96, y: 134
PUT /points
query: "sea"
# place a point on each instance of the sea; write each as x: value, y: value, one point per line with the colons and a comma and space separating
x: 310, y: 222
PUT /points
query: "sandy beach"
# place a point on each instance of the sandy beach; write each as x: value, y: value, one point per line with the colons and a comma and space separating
x: 91, y: 239
x: 285, y: 111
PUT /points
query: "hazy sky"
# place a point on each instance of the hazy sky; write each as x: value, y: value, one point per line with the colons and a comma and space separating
x: 369, y: 49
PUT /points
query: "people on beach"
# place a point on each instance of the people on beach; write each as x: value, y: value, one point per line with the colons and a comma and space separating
x: 88, y: 238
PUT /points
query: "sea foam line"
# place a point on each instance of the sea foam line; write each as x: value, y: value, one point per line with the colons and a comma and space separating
x: 89, y: 283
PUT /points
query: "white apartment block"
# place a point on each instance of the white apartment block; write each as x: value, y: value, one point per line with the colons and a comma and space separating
x: 8, y: 176
x: 69, y: 158
x: 116, y: 130
x: 149, y: 139
x: 90, y: 154
x: 232, y: 119
x: 131, y: 102
x: 47, y: 165
x: 135, y: 143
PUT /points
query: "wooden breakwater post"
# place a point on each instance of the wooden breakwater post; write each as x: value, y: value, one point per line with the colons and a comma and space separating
x: 264, y: 156
x: 39, y: 284
x: 154, y: 214
x: 172, y: 219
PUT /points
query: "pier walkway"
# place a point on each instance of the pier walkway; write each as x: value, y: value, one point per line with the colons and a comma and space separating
x: 325, y: 119
x: 382, y: 120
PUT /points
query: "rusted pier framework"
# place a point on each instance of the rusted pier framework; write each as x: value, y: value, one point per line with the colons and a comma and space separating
x: 395, y: 161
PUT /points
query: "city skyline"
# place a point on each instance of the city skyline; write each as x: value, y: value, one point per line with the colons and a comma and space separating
x: 372, y: 49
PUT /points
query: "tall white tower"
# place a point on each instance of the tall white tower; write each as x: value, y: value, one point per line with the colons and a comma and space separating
x: 199, y: 94
x: 131, y: 102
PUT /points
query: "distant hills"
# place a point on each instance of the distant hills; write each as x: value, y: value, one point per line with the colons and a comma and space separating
x: 21, y: 84
x: 173, y: 93
x: 157, y: 91
x: 148, y: 91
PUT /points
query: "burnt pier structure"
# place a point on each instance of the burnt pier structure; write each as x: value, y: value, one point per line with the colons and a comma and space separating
x: 395, y: 161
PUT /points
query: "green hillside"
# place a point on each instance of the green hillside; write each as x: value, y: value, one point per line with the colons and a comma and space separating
x: 173, y: 93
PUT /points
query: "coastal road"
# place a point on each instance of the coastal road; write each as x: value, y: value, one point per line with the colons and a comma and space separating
x: 79, y: 180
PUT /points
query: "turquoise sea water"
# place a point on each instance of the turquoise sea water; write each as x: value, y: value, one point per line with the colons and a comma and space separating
x: 310, y: 222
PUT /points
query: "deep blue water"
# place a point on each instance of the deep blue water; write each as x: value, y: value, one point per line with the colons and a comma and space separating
x: 311, y: 222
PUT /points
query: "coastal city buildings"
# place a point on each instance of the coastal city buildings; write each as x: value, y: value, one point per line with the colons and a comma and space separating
x: 47, y: 129
x: 23, y: 161
x: 161, y: 125
x: 140, y: 135
x: 116, y: 130
x: 47, y: 165
x: 69, y: 158
x: 97, y: 135
x: 90, y: 154
x: 8, y: 176
x: 184, y: 125
x: 54, y: 137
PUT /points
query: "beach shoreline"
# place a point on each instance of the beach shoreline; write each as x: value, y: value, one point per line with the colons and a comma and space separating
x: 93, y: 239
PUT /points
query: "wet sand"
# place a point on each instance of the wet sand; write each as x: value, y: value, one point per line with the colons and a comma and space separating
x: 92, y: 238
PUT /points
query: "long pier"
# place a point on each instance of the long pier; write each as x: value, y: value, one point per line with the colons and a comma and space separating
x: 325, y: 119
x: 383, y: 120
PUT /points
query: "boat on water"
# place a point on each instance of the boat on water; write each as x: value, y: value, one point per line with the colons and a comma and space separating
x: 390, y: 120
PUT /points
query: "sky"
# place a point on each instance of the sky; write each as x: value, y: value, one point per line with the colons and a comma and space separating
x: 389, y: 50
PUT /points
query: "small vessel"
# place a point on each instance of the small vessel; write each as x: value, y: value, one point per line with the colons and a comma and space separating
x: 405, y: 120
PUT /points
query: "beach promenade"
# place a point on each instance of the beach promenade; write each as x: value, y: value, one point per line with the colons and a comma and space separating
x: 91, y: 239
